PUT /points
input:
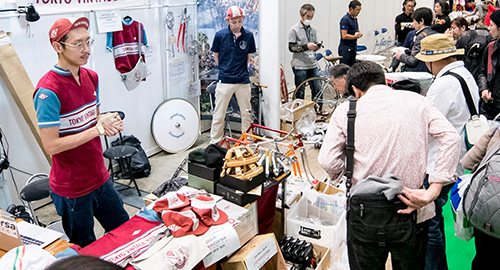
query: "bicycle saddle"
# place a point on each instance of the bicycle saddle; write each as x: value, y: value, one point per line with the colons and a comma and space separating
x: 332, y: 58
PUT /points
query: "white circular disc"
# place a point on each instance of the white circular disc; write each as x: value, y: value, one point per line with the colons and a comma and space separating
x: 175, y: 125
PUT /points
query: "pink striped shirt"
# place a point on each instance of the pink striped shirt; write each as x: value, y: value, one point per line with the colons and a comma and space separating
x: 391, y: 136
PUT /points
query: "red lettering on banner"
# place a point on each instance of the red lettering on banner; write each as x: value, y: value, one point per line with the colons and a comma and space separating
x: 53, y: 1
x: 76, y: 121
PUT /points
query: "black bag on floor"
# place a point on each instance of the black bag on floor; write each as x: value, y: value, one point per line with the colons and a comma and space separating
x: 140, y: 162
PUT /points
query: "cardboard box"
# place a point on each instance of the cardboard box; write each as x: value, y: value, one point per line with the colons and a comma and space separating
x: 247, y: 227
x: 243, y: 185
x: 321, y: 186
x: 236, y: 196
x: 203, y: 171
x: 262, y: 252
x: 287, y: 126
x: 324, y: 254
x: 202, y: 183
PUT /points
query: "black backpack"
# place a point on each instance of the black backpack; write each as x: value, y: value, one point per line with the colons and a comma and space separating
x: 140, y: 162
x: 19, y: 211
x: 474, y: 42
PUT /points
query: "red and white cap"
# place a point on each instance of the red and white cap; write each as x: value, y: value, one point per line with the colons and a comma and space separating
x: 234, y: 11
x: 184, y: 222
x: 63, y: 25
x: 172, y: 201
x: 206, y: 208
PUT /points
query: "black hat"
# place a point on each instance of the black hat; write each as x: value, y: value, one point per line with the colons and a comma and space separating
x: 495, y: 17
x: 214, y: 156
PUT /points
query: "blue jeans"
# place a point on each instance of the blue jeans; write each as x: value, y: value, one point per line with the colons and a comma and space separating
x: 408, y: 257
x: 304, y: 74
x: 78, y: 214
x: 348, y: 55
x: 436, y: 249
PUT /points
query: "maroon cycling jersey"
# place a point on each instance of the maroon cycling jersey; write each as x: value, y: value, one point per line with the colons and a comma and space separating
x: 60, y: 101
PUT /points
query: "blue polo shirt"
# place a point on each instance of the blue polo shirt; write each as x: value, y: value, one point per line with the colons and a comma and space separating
x: 233, y: 55
x: 351, y: 25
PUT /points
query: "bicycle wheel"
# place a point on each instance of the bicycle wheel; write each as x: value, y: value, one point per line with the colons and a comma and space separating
x: 325, y: 101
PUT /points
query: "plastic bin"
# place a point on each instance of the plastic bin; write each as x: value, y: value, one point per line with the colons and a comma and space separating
x: 314, y: 218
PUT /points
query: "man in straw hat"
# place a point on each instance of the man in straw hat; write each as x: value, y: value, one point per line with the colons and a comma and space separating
x: 439, y: 54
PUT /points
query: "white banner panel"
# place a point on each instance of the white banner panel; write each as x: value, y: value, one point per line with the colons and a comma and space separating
x: 52, y: 6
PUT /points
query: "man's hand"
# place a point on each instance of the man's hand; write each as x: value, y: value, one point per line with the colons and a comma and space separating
x: 312, y: 46
x: 109, y: 124
x: 358, y: 35
x: 486, y: 95
x: 398, y: 54
x: 417, y: 198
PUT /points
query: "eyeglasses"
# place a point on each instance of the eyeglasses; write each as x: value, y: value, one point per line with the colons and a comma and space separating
x: 80, y: 45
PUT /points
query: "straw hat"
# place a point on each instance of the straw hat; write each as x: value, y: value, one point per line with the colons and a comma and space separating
x: 436, y: 47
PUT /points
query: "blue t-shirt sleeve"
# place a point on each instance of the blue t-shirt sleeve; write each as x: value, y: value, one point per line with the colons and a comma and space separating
x: 144, y: 38
x: 109, y: 42
x: 252, y: 47
x: 216, y: 44
x: 98, y: 100
x: 344, y: 24
x: 48, y: 107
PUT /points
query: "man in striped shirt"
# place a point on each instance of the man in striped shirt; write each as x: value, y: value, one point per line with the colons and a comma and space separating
x: 67, y: 103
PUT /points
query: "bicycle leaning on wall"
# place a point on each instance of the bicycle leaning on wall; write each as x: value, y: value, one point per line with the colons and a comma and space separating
x: 327, y: 99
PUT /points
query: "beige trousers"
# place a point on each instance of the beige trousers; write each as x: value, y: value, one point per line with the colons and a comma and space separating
x: 223, y: 94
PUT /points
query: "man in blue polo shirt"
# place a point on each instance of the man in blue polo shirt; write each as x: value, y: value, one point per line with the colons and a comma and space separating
x: 232, y: 48
x: 349, y: 33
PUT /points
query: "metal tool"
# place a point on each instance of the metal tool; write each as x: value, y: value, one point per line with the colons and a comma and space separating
x: 182, y: 29
x: 193, y: 51
x: 169, y: 21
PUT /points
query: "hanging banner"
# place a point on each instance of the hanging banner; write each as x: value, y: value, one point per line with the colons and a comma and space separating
x: 52, y: 6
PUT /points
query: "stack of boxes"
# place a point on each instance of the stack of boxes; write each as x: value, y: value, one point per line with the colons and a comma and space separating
x: 241, y: 192
x: 202, y: 177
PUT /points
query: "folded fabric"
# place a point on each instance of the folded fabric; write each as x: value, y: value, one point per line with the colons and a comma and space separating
x: 180, y: 253
x: 26, y: 257
x: 389, y: 185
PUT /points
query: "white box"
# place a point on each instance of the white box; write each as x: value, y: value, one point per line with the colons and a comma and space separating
x: 314, y: 218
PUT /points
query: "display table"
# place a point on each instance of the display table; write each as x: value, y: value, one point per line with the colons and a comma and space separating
x: 135, y: 237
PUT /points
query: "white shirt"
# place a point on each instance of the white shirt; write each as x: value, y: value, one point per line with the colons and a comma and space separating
x: 447, y: 95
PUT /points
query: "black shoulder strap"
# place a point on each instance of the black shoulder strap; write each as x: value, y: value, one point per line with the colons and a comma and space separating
x: 349, y: 149
x: 465, y: 89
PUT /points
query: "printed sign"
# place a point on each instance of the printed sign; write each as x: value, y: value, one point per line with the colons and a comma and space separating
x: 260, y: 256
x: 8, y: 226
x: 221, y: 240
x: 108, y: 21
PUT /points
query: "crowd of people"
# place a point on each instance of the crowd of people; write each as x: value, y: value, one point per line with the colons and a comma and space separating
x: 424, y: 153
x: 462, y: 56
